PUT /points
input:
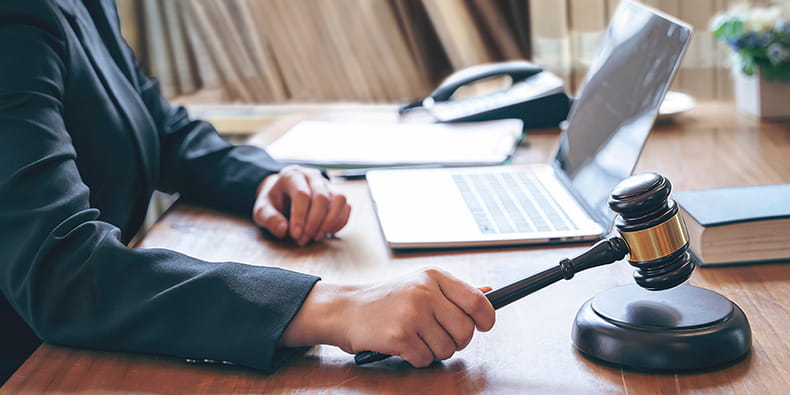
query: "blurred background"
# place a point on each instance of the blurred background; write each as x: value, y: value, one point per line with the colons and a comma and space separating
x: 383, y: 51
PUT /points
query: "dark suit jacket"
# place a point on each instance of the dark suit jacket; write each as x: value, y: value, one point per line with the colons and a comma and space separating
x: 85, y: 137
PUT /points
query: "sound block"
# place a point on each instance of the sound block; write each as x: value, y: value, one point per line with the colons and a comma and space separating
x: 682, y: 328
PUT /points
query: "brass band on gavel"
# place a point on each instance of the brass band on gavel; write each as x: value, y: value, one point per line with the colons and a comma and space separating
x: 658, y: 241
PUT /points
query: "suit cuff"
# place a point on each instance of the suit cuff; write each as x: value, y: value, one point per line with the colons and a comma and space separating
x: 279, y: 307
x: 241, y: 184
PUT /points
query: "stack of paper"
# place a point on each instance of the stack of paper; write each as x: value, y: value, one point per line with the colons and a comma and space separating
x: 353, y: 144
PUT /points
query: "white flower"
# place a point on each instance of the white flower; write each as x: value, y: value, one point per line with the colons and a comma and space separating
x: 740, y: 9
x: 762, y: 19
x: 718, y: 20
x: 777, y: 53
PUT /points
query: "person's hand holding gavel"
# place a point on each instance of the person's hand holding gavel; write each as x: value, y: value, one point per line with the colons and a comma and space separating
x: 651, y: 230
x: 422, y: 317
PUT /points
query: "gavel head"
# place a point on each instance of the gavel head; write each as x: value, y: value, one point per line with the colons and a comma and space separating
x: 650, y: 223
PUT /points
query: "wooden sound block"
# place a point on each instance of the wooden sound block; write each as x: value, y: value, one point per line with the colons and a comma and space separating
x: 682, y: 328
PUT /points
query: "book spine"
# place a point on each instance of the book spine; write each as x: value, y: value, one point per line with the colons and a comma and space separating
x: 698, y: 70
x: 588, y: 19
x: 458, y: 32
x: 206, y: 76
x: 724, y: 80
x: 551, y: 45
x: 157, y: 48
x: 184, y: 76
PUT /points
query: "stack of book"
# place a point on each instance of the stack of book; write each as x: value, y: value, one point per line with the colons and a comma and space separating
x: 384, y: 50
x: 306, y: 50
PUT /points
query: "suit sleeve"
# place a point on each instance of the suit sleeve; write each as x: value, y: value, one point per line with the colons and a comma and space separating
x: 197, y: 162
x: 67, y: 273
x: 201, y: 165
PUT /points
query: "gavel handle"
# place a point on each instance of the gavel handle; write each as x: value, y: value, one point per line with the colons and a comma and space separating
x: 602, y: 253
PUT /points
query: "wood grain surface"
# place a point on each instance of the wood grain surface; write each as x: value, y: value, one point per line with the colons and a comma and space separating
x: 529, y: 350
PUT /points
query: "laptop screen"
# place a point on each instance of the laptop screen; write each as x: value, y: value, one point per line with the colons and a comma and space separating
x: 615, y: 110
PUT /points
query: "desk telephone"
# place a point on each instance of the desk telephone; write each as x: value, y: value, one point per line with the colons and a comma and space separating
x: 535, y: 96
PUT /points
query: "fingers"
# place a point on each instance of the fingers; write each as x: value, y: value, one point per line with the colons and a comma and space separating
x: 267, y: 216
x: 301, y: 200
x: 457, y: 326
x: 298, y: 191
x: 329, y: 210
x: 319, y: 213
x: 419, y: 342
x: 468, y: 298
x: 266, y: 212
x: 337, y: 215
x: 449, y: 328
x: 423, y: 317
x: 417, y: 352
x: 318, y: 210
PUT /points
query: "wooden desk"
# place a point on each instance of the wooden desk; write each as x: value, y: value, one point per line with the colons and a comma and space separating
x: 529, y: 350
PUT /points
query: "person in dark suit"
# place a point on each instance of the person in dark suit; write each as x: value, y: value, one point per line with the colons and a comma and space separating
x: 85, y: 137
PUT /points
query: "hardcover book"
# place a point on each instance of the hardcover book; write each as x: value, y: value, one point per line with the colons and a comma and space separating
x: 738, y: 225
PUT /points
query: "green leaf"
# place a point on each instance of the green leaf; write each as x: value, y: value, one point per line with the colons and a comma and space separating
x: 729, y: 29
x: 718, y: 30
x: 747, y: 66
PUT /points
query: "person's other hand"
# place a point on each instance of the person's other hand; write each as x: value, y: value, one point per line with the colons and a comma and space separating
x: 422, y: 318
x: 299, y: 203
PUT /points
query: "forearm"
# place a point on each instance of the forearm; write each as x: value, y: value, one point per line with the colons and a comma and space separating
x: 204, y: 168
x: 322, y: 318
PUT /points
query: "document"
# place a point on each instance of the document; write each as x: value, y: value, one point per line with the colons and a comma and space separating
x: 355, y: 144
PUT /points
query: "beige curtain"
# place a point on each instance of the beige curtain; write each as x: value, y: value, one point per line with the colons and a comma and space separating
x: 567, y: 32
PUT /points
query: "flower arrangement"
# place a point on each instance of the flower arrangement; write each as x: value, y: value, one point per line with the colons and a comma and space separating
x: 759, y: 38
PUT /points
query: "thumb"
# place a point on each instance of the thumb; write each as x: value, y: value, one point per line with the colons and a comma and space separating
x: 271, y: 219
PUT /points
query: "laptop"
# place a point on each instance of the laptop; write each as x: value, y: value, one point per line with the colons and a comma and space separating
x: 562, y: 201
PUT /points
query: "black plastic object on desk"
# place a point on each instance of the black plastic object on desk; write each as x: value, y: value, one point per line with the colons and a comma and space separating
x: 534, y: 95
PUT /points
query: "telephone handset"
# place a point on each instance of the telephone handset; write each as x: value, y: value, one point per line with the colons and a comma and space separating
x: 535, y: 96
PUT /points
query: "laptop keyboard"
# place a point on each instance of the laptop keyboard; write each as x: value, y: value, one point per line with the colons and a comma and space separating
x: 511, y: 203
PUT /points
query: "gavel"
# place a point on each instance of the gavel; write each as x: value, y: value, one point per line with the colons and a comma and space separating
x: 651, y: 230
